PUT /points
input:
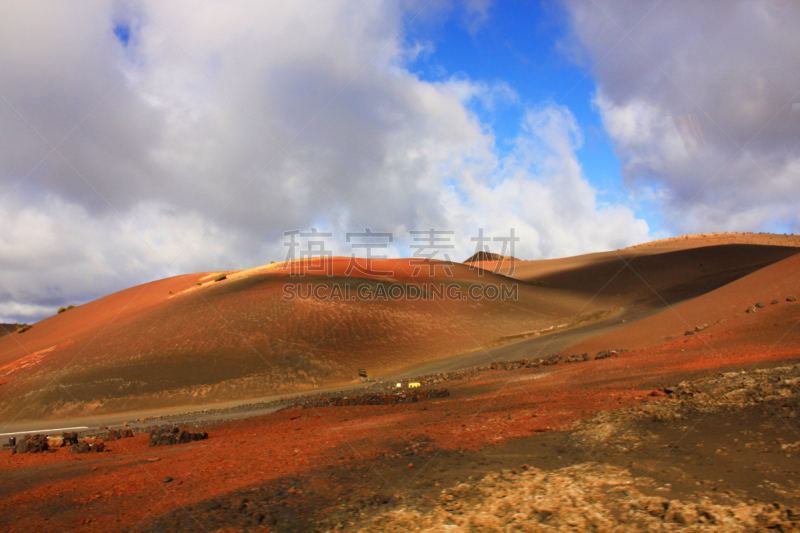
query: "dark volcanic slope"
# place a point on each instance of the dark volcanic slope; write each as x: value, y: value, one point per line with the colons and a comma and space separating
x: 640, y: 274
x: 724, y: 311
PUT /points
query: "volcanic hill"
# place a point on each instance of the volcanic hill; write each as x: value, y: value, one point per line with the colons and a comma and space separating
x: 287, y: 328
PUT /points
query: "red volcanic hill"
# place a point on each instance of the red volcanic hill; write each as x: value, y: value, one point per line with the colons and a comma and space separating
x: 289, y: 327
x: 191, y: 340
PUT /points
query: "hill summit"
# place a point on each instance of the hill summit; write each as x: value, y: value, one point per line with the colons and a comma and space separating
x: 489, y: 256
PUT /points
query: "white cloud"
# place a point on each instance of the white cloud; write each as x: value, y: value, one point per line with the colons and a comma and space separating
x: 541, y: 192
x: 190, y: 144
x: 698, y: 100
x: 56, y: 253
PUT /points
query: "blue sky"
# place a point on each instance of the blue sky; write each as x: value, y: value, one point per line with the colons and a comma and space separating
x: 123, y: 33
x: 525, y: 45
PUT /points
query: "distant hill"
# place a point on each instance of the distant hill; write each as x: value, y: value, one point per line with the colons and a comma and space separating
x: 488, y: 256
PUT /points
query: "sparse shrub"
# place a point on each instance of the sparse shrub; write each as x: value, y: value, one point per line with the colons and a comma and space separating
x: 24, y: 328
x: 170, y: 292
x: 536, y: 282
x: 199, y: 283
x: 70, y: 307
x: 220, y: 277
x: 272, y: 262
x: 62, y: 309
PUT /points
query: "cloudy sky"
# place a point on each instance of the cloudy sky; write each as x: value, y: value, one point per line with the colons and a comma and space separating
x: 143, y: 139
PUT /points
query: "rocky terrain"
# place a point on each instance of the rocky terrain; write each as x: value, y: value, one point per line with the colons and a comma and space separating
x: 597, y: 496
x: 585, y: 497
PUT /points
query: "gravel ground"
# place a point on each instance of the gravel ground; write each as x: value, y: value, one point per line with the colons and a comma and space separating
x: 599, y: 496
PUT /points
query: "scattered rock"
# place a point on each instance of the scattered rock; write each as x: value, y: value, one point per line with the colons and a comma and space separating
x: 169, y: 436
x: 69, y: 438
x: 689, y: 332
x: 32, y: 444
x: 550, y: 360
x: 607, y: 353
x: 791, y: 298
x: 760, y: 305
x: 116, y: 434
x: 577, y: 358
x: 701, y: 327
x: 167, y: 479
x: 751, y: 309
x: 88, y: 447
x: 378, y: 398
x: 775, y: 301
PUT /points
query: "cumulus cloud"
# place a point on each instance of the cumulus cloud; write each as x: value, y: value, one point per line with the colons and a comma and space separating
x: 147, y: 139
x: 540, y: 190
x: 702, y: 100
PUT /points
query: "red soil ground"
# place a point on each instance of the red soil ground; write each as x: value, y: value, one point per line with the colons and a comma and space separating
x: 122, y: 490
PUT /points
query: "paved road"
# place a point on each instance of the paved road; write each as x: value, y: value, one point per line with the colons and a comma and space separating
x: 178, y: 415
x: 534, y: 346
